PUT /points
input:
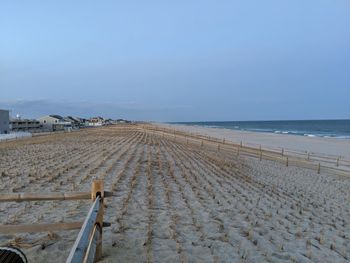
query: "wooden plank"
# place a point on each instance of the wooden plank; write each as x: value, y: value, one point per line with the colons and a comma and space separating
x: 9, y: 197
x: 77, y: 195
x: 80, y: 246
x: 13, y: 229
x: 41, y: 196
x: 20, y: 197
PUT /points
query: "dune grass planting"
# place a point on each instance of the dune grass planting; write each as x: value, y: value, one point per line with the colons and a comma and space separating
x: 174, y: 201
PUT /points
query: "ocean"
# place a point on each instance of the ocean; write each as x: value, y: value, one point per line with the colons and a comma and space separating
x: 311, y: 128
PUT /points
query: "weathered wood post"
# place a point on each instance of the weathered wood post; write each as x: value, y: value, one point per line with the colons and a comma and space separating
x: 218, y: 147
x: 241, y: 144
x: 308, y: 156
x: 260, y: 153
x: 338, y: 161
x: 97, y: 190
x: 282, y: 152
x: 319, y: 168
x: 287, y: 163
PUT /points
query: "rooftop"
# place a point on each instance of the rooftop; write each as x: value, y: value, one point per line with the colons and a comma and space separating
x: 56, y: 117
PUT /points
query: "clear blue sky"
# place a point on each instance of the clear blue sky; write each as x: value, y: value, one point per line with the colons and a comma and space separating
x: 176, y: 60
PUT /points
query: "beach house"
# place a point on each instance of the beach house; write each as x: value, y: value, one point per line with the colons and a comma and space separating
x: 96, y: 121
x: 4, y: 121
x: 54, y: 123
x: 75, y: 122
x: 25, y: 125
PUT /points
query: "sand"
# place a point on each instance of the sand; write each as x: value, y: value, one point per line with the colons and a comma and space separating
x: 324, y: 146
x: 175, y: 202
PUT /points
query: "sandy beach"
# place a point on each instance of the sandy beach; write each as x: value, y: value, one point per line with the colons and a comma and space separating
x: 324, y: 146
x: 178, y: 202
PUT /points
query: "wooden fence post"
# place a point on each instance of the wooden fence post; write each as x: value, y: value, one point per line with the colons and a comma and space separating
x: 338, y: 161
x: 260, y: 153
x: 282, y: 152
x: 308, y: 156
x: 287, y: 162
x: 97, y: 190
x: 319, y: 168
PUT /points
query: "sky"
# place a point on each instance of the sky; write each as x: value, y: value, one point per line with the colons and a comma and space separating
x: 176, y: 60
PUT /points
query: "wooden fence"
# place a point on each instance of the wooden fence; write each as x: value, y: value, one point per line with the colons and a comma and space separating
x: 307, y: 160
x: 88, y: 245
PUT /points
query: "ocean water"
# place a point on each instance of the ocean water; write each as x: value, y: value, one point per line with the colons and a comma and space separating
x: 311, y: 128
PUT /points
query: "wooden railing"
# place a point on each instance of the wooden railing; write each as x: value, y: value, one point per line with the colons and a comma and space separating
x: 88, y: 245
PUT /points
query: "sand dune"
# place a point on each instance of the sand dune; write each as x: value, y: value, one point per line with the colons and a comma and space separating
x: 175, y: 202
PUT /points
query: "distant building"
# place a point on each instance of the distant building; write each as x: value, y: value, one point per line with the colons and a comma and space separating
x: 54, y: 123
x: 4, y: 121
x: 96, y: 121
x: 74, y: 121
x: 83, y: 122
x: 122, y: 121
x: 109, y: 122
x: 25, y: 125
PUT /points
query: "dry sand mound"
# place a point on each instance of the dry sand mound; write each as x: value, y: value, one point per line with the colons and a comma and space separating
x: 174, y: 202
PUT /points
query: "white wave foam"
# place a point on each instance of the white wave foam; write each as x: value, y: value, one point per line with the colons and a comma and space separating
x: 341, y: 137
x: 310, y: 135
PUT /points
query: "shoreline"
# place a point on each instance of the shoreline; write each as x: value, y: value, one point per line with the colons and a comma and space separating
x: 332, y: 128
x: 334, y: 147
